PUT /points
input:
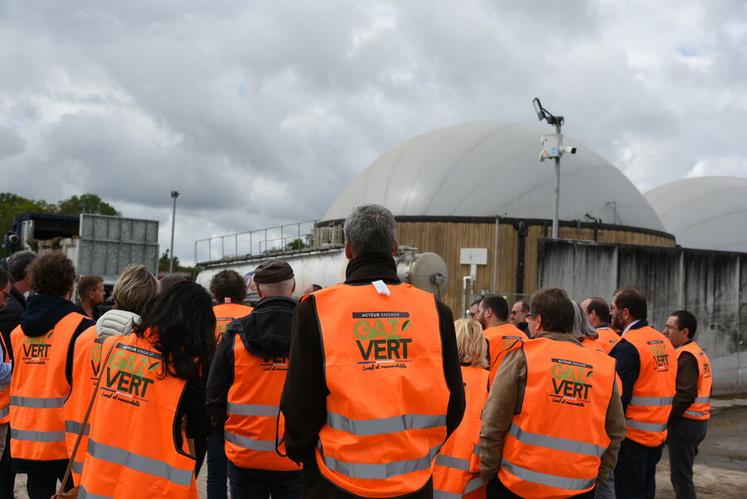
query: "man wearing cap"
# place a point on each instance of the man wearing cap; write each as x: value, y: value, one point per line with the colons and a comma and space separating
x: 374, y: 385
x: 244, y: 387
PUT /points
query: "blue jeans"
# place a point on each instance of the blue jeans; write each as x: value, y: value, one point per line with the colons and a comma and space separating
x: 259, y: 484
x: 216, y: 468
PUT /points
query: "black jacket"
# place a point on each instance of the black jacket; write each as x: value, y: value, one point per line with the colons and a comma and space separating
x: 304, y: 403
x: 10, y: 314
x: 628, y: 364
x: 42, y: 313
x: 265, y: 332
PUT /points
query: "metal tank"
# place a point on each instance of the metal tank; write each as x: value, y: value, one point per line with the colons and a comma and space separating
x: 426, y: 271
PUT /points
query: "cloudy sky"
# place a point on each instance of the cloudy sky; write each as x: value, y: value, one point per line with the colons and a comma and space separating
x: 260, y: 112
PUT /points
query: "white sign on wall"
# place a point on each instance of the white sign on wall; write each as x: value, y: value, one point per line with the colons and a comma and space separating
x: 473, y: 256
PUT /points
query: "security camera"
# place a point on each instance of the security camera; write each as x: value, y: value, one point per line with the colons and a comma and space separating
x: 569, y: 150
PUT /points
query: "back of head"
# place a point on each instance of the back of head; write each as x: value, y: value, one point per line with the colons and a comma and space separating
x: 53, y: 274
x: 169, y: 280
x: 86, y: 284
x: 555, y: 309
x: 581, y: 326
x: 685, y: 319
x: 498, y: 305
x: 19, y: 264
x: 371, y: 229
x: 524, y: 304
x: 183, y: 318
x: 600, y: 308
x: 135, y: 289
x: 228, y: 286
x: 471, y: 343
x: 275, y: 278
x: 633, y: 300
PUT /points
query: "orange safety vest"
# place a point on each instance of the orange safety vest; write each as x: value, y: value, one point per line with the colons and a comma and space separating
x: 131, y: 451
x: 553, y: 447
x: 253, y: 406
x: 5, y: 393
x: 593, y: 344
x: 387, y: 402
x: 86, y: 365
x: 38, y: 389
x: 501, y: 338
x: 457, y: 471
x: 700, y: 410
x: 225, y: 313
x: 608, y: 338
x: 648, y: 411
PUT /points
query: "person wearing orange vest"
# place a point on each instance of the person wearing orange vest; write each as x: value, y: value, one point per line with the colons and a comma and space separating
x: 492, y: 313
x: 598, y: 314
x: 5, y: 366
x: 42, y: 374
x: 691, y: 409
x: 149, y: 429
x: 244, y: 387
x: 229, y: 291
x: 553, y: 422
x: 133, y: 293
x: 374, y: 386
x: 646, y: 366
x: 583, y: 331
x: 457, y: 471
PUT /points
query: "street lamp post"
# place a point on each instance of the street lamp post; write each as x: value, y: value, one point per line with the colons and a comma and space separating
x: 174, y: 195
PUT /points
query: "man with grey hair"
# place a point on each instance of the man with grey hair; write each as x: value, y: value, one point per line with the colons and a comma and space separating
x: 374, y: 385
x: 19, y: 269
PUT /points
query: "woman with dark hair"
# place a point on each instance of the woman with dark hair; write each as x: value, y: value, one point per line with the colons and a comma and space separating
x: 149, y: 433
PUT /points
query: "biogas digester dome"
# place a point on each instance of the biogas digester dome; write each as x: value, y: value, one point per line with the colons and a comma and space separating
x: 481, y: 185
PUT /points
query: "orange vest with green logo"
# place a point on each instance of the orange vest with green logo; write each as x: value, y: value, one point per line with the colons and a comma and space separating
x: 253, y: 409
x: 648, y: 411
x: 5, y: 393
x: 225, y: 313
x: 38, y: 390
x: 132, y: 452
x: 387, y: 402
x: 501, y: 338
x: 700, y: 410
x: 86, y: 366
x: 457, y: 471
x: 553, y: 447
x: 608, y: 338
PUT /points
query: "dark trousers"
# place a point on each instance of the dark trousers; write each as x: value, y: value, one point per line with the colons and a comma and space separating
x: 7, y: 475
x: 635, y: 473
x: 43, y: 485
x: 496, y: 490
x: 216, y: 468
x: 260, y: 484
x: 682, y: 441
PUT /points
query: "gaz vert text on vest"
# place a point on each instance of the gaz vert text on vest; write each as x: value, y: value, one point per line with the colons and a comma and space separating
x: 553, y: 447
x: 225, y: 313
x: 648, y: 411
x: 387, y: 402
x: 137, y: 393
x: 38, y: 389
x: 700, y: 409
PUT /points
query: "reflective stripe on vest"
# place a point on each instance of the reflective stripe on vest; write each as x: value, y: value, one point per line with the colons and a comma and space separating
x: 382, y: 426
x: 139, y: 463
x: 4, y: 411
x: 696, y: 414
x: 37, y: 436
x: 383, y: 470
x: 83, y: 494
x: 249, y: 443
x: 472, y: 486
x: 75, y: 426
x: 559, y: 482
x: 38, y: 402
x: 651, y: 401
x: 702, y: 400
x: 452, y: 462
x: 77, y: 467
x: 555, y: 443
x: 253, y: 409
x: 643, y: 426
x: 700, y: 409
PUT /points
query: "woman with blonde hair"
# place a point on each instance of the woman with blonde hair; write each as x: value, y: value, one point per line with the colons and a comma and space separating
x: 457, y: 468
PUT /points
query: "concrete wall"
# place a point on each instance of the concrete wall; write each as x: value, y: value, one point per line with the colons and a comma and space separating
x: 711, y: 284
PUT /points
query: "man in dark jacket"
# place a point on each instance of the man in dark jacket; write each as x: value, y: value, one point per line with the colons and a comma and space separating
x: 244, y: 387
x: 370, y: 243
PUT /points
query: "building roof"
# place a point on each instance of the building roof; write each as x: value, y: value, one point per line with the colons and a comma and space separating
x: 482, y: 169
x: 704, y: 212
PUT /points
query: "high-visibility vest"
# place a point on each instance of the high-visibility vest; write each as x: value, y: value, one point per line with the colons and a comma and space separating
x: 86, y: 365
x: 5, y: 393
x: 38, y: 389
x: 592, y: 343
x: 387, y: 402
x: 553, y: 447
x: 501, y: 338
x: 253, y: 406
x: 608, y: 338
x: 457, y: 471
x: 648, y: 411
x: 225, y: 313
x: 132, y: 451
x: 700, y: 409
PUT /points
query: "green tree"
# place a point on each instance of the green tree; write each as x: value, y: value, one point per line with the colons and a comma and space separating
x: 163, y: 265
x: 85, y: 203
x: 12, y: 205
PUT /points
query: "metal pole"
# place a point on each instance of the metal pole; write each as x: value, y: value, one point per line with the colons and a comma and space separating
x: 174, y: 195
x: 556, y: 215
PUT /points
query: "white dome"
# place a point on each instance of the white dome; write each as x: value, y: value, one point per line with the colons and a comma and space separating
x: 704, y: 212
x: 485, y: 169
